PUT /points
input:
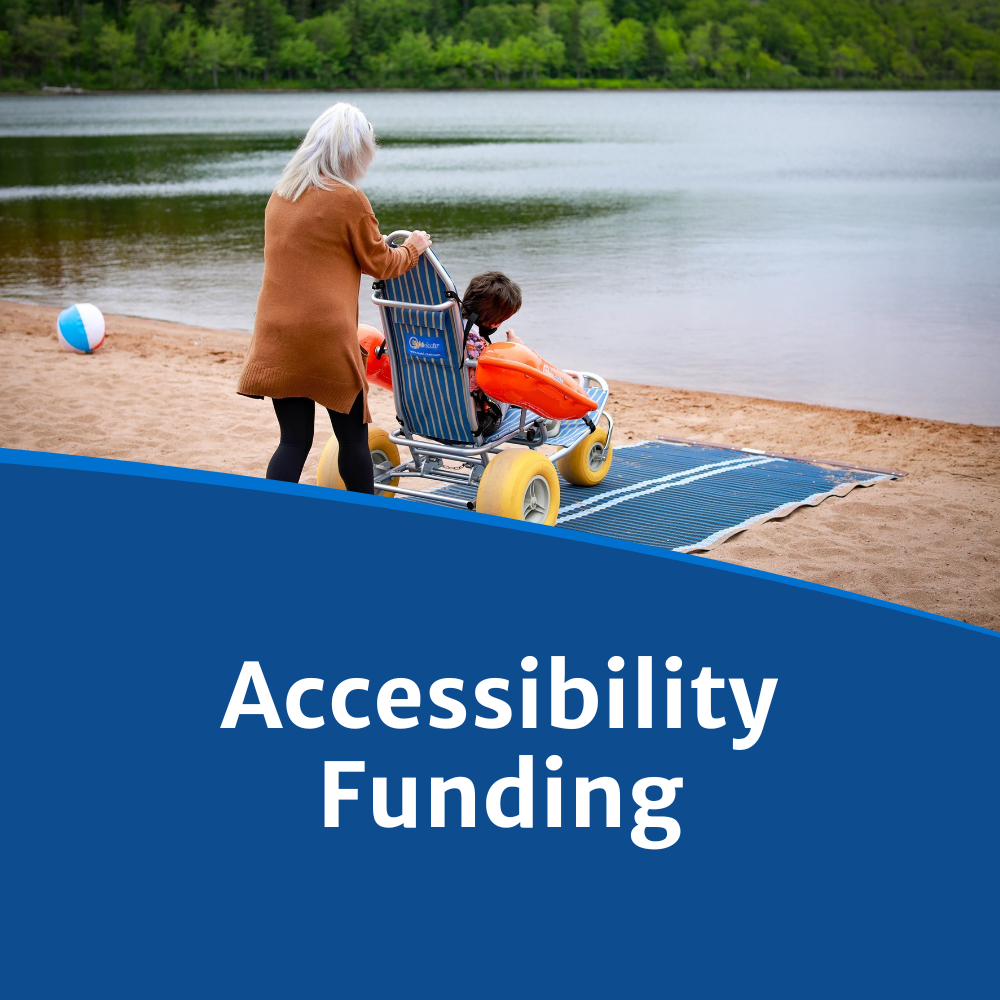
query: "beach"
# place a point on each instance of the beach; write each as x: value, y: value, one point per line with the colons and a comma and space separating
x: 164, y: 393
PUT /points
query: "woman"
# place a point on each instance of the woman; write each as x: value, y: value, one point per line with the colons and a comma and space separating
x: 319, y: 235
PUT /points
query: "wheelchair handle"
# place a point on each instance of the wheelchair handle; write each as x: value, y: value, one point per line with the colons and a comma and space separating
x: 439, y: 307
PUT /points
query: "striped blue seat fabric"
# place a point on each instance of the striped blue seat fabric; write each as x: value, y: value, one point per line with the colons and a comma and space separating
x: 689, y: 498
x: 431, y: 385
x: 570, y: 431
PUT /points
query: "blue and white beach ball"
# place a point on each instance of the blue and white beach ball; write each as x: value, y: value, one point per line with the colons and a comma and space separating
x: 81, y: 328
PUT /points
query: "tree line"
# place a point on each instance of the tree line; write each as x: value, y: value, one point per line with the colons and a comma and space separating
x: 150, y: 44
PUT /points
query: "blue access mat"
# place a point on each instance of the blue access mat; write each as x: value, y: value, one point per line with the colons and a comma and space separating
x: 691, y: 497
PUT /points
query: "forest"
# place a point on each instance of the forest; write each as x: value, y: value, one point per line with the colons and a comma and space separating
x: 264, y: 44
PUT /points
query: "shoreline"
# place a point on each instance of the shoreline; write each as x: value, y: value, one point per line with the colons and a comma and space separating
x: 245, y: 335
x: 616, y: 86
x: 164, y: 393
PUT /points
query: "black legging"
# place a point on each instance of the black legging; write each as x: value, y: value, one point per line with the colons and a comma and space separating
x: 296, y: 418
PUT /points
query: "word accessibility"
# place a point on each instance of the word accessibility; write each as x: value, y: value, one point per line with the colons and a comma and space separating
x: 399, y: 698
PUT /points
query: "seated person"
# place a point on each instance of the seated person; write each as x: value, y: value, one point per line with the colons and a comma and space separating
x: 492, y: 298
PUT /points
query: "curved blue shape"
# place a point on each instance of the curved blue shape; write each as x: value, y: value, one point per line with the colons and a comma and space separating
x: 72, y: 329
x: 849, y: 851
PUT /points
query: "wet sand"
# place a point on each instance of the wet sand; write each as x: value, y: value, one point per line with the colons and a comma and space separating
x: 164, y: 393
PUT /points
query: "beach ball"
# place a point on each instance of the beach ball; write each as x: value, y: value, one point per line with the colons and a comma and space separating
x: 81, y: 328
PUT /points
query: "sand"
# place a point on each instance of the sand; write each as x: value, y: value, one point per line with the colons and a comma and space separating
x: 165, y: 393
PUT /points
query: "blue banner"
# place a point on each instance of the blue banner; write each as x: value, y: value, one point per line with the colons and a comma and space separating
x: 272, y: 740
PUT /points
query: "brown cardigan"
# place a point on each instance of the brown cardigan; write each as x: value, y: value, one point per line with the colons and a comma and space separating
x: 305, y: 335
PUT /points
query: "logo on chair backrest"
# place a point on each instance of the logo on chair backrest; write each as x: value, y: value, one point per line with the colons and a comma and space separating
x: 424, y: 347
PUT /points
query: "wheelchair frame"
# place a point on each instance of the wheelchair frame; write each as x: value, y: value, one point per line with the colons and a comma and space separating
x: 427, y: 454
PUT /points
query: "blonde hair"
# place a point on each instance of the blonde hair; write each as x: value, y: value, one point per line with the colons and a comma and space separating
x: 340, y: 146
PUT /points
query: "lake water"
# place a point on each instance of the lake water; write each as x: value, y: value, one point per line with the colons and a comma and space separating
x: 837, y: 248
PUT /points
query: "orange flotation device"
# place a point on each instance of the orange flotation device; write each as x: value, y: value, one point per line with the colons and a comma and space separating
x: 515, y: 374
x: 378, y: 371
x: 509, y: 373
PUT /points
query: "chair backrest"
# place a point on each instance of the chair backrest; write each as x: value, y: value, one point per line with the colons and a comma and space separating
x: 427, y: 353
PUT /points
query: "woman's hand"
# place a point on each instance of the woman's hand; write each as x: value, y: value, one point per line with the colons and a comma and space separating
x: 418, y: 239
x: 513, y: 338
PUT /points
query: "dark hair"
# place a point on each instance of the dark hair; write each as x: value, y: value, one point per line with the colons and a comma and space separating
x: 493, y: 297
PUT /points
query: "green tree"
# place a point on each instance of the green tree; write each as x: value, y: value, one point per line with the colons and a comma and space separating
x: 376, y: 25
x: 654, y: 52
x: 48, y: 39
x: 762, y: 70
x: 525, y: 56
x: 147, y: 22
x: 268, y: 23
x: 622, y: 48
x: 116, y: 50
x: 552, y: 50
x: 411, y: 60
x: 6, y: 44
x: 180, y: 48
x: 986, y: 68
x: 756, y: 43
x: 594, y: 26
x: 711, y: 47
x: 331, y: 34
x: 675, y: 63
x: 851, y: 60
x: 908, y: 66
x: 91, y: 22
x: 460, y: 62
x: 492, y: 24
x: 298, y: 57
x: 214, y: 51
x: 502, y: 61
x: 228, y: 14
x: 574, y: 43
x: 594, y: 21
x: 14, y: 13
x: 241, y: 57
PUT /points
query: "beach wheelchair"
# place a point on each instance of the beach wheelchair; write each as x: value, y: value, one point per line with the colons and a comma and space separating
x: 503, y: 473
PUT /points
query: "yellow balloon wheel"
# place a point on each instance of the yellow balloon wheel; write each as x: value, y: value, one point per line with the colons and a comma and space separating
x: 385, y: 455
x: 328, y: 473
x: 382, y: 451
x: 521, y: 485
x: 588, y: 463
